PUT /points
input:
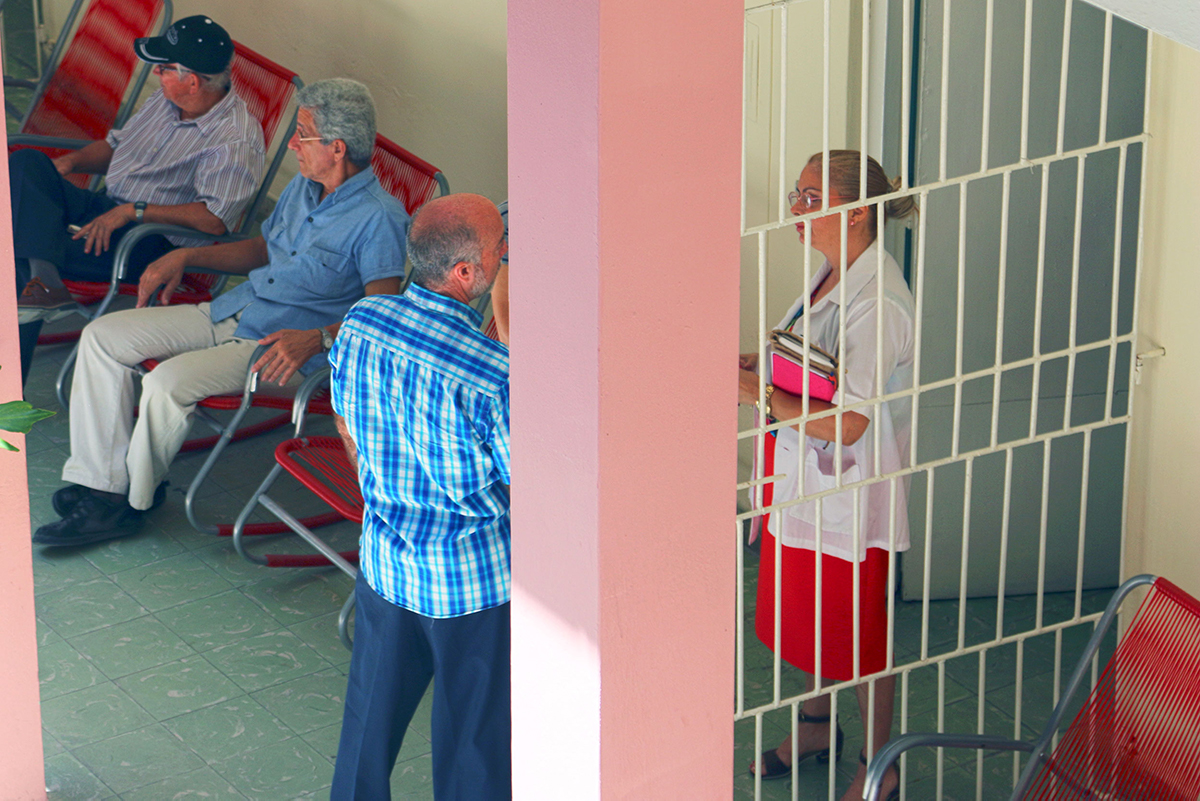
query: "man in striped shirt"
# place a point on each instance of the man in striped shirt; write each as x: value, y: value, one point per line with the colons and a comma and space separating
x: 422, y: 402
x: 193, y: 155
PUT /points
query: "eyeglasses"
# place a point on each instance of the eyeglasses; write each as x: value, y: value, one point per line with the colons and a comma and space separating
x: 179, y: 71
x: 300, y: 138
x: 810, y: 198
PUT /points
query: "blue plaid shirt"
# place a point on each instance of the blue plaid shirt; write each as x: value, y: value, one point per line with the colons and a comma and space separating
x: 425, y: 397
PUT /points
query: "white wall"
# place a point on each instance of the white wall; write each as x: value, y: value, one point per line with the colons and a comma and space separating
x: 1163, y: 518
x: 437, y: 69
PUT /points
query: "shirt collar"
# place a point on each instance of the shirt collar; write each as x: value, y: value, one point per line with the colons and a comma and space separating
x: 440, y: 304
x: 211, y: 118
x: 355, y: 184
x: 855, y: 277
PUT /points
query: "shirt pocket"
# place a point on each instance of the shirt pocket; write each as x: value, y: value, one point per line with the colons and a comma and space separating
x: 325, y: 273
x: 837, y: 510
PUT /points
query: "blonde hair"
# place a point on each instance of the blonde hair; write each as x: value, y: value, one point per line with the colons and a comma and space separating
x: 844, y: 171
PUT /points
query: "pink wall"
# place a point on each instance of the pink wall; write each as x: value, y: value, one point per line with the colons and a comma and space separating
x: 624, y: 169
x: 21, y: 773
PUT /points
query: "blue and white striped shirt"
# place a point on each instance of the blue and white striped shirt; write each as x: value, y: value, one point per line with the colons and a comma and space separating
x: 216, y: 159
x: 425, y: 397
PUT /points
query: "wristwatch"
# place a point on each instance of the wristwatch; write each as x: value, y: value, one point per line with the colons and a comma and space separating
x: 767, y: 393
x: 139, y: 210
x: 326, y: 339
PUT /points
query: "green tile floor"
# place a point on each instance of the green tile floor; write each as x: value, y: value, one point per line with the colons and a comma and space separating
x: 173, y: 669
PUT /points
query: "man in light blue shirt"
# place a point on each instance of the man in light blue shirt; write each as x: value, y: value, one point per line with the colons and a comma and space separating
x: 334, y: 237
x: 422, y: 402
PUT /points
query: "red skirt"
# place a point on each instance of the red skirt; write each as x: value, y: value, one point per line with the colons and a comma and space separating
x: 798, y: 640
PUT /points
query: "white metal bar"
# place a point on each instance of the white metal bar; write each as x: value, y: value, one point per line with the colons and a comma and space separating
x: 1018, y: 697
x: 941, y: 725
x: 928, y: 564
x: 1001, y: 293
x: 1105, y: 76
x: 959, y: 318
x: 1073, y: 322
x: 1063, y: 75
x: 1026, y: 70
x: 1057, y: 676
x: 1043, y: 531
x: 1080, y: 552
x: 980, y: 718
x: 985, y: 140
x: 864, y: 96
x: 965, y: 555
x: 918, y: 334
x: 784, y: 210
x: 1039, y: 294
x: 740, y: 623
x: 877, y: 410
x: 928, y: 465
x: 1005, y: 517
x: 825, y: 105
x: 1114, y: 307
x: 970, y: 650
x: 944, y: 118
x: 955, y: 181
x: 906, y: 57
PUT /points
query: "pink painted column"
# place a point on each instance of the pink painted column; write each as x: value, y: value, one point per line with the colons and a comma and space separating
x: 21, y: 773
x: 624, y: 169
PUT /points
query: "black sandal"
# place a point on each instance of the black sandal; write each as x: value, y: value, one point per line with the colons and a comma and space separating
x: 894, y: 795
x: 774, y: 767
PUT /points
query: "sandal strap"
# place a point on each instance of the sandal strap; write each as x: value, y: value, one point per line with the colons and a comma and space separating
x: 801, y: 717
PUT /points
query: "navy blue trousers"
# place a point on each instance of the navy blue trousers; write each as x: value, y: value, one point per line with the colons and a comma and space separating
x: 43, y: 205
x: 396, y: 653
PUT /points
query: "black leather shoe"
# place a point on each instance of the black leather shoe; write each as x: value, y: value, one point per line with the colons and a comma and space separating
x: 93, y: 519
x: 64, y: 499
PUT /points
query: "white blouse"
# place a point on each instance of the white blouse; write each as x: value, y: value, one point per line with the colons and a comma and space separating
x: 808, y: 470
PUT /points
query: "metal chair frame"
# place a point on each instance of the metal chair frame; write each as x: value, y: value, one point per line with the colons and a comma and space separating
x: 1041, y: 749
x: 139, y: 232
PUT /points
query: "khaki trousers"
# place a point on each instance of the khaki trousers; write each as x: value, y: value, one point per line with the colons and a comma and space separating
x: 109, y: 450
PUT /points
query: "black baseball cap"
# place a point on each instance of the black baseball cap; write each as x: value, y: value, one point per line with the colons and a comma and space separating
x: 196, y: 42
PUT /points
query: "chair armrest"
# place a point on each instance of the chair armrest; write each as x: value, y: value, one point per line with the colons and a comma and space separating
x: 308, y: 388
x: 140, y: 232
x: 18, y: 82
x: 37, y: 140
x: 886, y: 756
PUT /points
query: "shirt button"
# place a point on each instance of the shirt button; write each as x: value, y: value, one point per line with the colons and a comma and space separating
x: 310, y: 219
x: 270, y: 280
x: 293, y: 253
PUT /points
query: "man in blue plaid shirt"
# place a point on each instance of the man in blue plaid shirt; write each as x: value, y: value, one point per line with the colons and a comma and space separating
x: 422, y: 402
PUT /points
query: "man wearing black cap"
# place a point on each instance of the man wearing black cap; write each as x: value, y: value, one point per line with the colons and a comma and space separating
x: 192, y: 155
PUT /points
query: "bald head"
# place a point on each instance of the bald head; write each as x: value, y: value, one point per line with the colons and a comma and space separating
x: 456, y: 238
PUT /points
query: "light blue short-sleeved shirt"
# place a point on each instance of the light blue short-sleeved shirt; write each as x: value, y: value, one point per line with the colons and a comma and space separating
x: 321, y: 255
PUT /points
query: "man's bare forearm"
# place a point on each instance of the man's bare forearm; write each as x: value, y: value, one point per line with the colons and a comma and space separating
x: 347, y: 440
x: 90, y: 159
x: 190, y: 215
x: 238, y: 258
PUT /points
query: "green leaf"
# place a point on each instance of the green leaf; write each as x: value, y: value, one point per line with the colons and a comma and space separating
x: 19, y: 416
x: 8, y: 446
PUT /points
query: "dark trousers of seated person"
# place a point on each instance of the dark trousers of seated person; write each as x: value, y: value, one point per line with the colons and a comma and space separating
x: 396, y: 653
x: 43, y: 205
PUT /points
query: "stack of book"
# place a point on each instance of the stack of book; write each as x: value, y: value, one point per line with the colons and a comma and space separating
x: 787, y: 367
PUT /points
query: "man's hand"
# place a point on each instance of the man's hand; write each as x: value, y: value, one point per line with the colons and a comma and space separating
x: 290, y: 349
x: 165, y: 272
x: 64, y: 164
x: 98, y: 232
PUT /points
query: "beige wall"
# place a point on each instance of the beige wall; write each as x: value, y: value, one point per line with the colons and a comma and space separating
x: 1163, y: 516
x: 437, y: 69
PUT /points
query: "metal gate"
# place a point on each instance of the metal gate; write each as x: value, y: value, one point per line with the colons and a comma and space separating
x: 1019, y: 127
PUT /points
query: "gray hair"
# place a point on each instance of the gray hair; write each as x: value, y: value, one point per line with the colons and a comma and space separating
x: 217, y: 82
x: 436, y: 246
x: 343, y: 109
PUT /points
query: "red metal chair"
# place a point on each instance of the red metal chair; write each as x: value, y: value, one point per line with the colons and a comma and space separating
x: 322, y: 465
x: 411, y: 180
x: 84, y: 91
x: 1138, y: 733
x: 267, y: 88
